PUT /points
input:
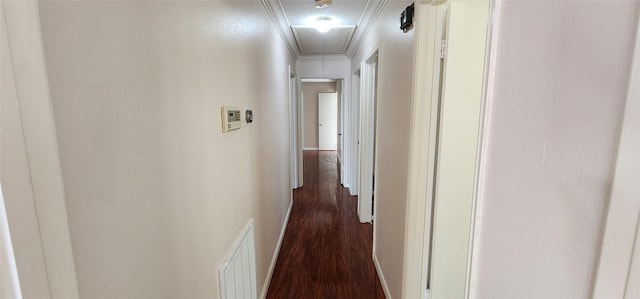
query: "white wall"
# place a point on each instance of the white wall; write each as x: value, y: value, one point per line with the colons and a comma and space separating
x: 156, y: 193
x: 555, y: 110
x: 393, y: 119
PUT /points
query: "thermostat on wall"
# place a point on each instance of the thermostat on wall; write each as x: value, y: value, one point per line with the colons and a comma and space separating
x: 231, y: 119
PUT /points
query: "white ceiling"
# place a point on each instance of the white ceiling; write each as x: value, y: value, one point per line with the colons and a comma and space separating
x: 311, y: 41
x: 294, y: 19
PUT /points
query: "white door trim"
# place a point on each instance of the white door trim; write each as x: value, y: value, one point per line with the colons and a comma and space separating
x: 618, y: 264
x: 421, y: 151
x: 352, y: 136
x: 294, y: 143
x: 367, y: 134
x: 349, y: 132
x: 422, y: 147
x: 300, y: 134
x: 22, y: 23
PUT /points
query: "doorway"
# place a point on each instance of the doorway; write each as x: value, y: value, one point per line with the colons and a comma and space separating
x: 446, y: 134
x: 311, y: 91
x: 368, y: 99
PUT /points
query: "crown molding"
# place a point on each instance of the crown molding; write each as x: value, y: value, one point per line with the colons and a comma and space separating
x: 371, y: 13
x: 281, y: 23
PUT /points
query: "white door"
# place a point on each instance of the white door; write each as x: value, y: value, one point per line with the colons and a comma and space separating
x: 327, y: 121
x: 456, y: 152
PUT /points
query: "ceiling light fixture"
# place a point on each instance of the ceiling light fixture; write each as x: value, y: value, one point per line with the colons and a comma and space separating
x: 323, y: 3
x: 324, y: 24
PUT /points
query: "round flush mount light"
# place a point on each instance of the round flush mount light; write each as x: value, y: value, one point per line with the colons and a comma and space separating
x: 324, y: 24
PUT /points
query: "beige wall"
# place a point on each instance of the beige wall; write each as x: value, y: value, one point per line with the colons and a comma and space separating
x: 156, y: 193
x: 394, y: 101
x: 310, y: 92
x: 554, y: 117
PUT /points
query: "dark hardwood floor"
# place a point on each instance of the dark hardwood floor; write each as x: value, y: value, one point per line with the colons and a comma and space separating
x: 326, y: 251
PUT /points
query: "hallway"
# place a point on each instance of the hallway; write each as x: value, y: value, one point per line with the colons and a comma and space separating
x: 326, y: 251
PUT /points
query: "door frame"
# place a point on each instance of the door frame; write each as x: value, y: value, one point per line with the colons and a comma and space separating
x: 368, y: 96
x: 620, y: 250
x: 294, y: 130
x: 352, y: 136
x: 422, y: 147
x: 348, y: 140
x: 35, y: 202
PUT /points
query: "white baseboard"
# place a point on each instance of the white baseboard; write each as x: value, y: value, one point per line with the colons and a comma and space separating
x: 352, y: 190
x: 383, y: 281
x: 267, y: 282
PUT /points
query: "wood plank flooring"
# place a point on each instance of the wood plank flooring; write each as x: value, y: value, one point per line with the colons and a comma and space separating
x: 326, y: 251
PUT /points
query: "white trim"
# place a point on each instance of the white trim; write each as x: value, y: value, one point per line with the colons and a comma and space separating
x: 368, y: 18
x: 340, y: 85
x: 383, y: 281
x: 369, y: 97
x: 365, y: 23
x: 276, y: 253
x: 617, y: 265
x: 422, y: 147
x: 352, y: 136
x: 40, y: 147
x: 338, y: 67
x: 420, y: 152
x: 294, y: 141
x: 300, y: 133
x: 282, y: 26
x: 484, y: 127
x: 312, y: 149
x: 8, y: 269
